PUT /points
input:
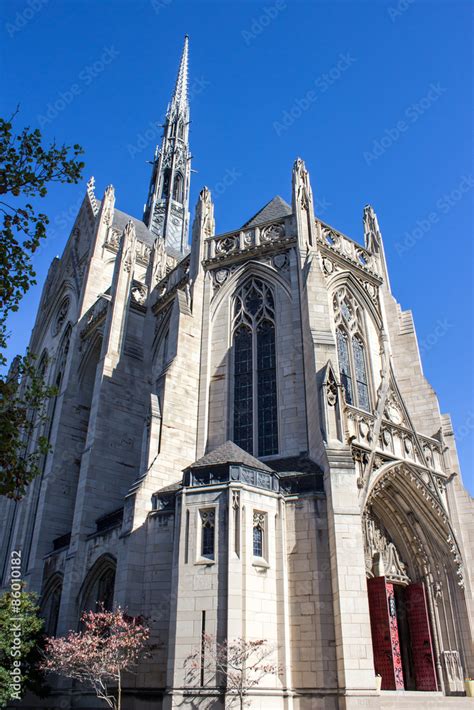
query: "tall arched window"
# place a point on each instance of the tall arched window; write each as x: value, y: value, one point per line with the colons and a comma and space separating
x: 351, y: 352
x: 51, y: 603
x: 178, y: 187
x: 255, y: 386
x: 353, y: 369
x: 360, y: 369
x: 344, y: 364
x: 100, y: 585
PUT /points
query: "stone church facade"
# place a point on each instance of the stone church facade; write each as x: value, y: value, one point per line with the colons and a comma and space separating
x: 244, y: 444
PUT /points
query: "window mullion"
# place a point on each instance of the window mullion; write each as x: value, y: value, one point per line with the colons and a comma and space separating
x: 254, y: 389
x: 355, y: 385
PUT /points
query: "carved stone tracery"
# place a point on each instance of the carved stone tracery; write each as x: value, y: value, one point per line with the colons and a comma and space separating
x: 381, y: 555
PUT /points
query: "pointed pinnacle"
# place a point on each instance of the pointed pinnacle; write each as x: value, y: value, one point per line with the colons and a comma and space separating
x: 180, y: 96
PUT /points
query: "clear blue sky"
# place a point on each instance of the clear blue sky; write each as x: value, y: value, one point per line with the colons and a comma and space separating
x: 387, y: 120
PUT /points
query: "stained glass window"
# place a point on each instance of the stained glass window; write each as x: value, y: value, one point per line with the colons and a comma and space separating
x: 266, y: 387
x: 344, y: 365
x: 258, y: 541
x: 255, y: 386
x: 207, y: 533
x: 360, y: 374
x: 258, y: 533
x: 243, y: 389
x: 346, y: 311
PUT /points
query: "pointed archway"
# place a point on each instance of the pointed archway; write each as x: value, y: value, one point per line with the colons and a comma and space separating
x: 415, y: 583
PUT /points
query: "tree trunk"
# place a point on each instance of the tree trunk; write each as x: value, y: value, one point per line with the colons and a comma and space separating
x: 119, y: 692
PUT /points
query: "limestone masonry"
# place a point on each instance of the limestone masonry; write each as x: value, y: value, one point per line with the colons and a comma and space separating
x: 244, y: 445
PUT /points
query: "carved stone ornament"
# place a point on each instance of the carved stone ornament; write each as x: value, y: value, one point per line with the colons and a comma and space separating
x: 221, y: 275
x: 272, y: 232
x: 381, y: 556
x: 61, y: 316
x: 138, y: 293
x: 392, y: 411
x: 235, y: 500
x: 226, y: 245
x: 331, y: 391
x: 280, y: 261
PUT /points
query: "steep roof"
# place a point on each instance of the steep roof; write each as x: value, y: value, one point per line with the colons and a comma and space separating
x: 229, y: 453
x: 143, y: 233
x: 275, y: 209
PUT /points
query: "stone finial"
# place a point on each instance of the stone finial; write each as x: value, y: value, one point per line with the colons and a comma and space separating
x: 108, y: 203
x: 303, y: 204
x: 372, y: 233
x: 205, y: 213
x: 129, y: 230
x: 374, y: 242
x: 109, y: 193
x: 301, y: 184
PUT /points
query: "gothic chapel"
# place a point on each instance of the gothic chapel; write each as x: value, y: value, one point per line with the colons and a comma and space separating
x: 244, y: 445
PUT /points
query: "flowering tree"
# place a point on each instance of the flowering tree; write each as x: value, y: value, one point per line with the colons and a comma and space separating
x: 109, y: 644
x: 238, y: 665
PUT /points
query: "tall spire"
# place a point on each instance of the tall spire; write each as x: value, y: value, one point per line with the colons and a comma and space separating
x: 180, y: 96
x: 167, y: 209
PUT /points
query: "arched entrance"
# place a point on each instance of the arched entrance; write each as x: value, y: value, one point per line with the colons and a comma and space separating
x: 415, y: 584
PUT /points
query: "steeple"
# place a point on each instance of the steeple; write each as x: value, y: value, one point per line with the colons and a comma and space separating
x: 167, y: 208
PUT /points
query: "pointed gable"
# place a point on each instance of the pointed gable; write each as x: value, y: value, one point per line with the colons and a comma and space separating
x: 275, y: 209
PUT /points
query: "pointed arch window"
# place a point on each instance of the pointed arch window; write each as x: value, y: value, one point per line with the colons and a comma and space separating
x: 100, y: 586
x: 345, y: 364
x: 255, y: 420
x: 353, y: 369
x: 166, y: 184
x: 360, y: 373
x: 178, y: 188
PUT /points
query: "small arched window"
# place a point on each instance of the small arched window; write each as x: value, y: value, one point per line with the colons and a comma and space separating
x: 255, y: 420
x: 165, y: 190
x: 178, y: 188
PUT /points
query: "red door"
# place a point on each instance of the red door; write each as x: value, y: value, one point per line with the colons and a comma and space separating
x: 420, y: 635
x: 384, y: 627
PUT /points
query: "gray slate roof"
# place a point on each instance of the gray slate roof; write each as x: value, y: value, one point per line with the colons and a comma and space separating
x: 229, y: 453
x: 143, y: 233
x: 275, y: 209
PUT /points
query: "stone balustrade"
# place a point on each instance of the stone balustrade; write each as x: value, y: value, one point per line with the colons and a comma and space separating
x: 227, y: 245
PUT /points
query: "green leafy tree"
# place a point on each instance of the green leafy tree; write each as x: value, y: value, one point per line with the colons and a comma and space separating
x: 21, y: 638
x: 23, y: 400
x: 27, y: 169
